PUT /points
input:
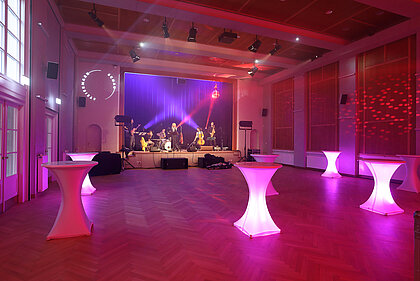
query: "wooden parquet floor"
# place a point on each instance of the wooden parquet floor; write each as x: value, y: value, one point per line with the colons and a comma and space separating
x: 177, y: 225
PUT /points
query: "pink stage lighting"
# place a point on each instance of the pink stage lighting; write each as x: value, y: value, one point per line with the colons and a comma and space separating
x: 331, y: 171
x: 215, y: 94
x: 256, y: 221
x: 87, y: 187
x: 381, y: 201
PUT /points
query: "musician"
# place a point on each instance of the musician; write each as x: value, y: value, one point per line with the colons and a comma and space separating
x: 199, y: 138
x: 212, y: 134
x: 130, y: 130
x: 162, y: 134
x: 173, y: 133
x: 148, y: 139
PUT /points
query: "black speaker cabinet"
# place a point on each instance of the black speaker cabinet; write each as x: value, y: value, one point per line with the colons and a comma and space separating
x: 52, y: 70
x: 202, y: 162
x: 174, y: 163
x: 82, y: 102
x: 264, y: 112
x: 245, y: 124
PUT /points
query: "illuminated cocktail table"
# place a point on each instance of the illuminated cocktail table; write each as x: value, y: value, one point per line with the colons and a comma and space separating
x: 411, y: 181
x: 71, y: 219
x: 381, y: 201
x: 268, y: 158
x: 256, y: 221
x: 331, y: 170
x: 87, y: 187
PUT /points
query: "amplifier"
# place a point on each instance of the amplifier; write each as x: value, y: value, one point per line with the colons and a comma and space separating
x: 206, y: 148
x: 174, y: 163
x: 154, y: 149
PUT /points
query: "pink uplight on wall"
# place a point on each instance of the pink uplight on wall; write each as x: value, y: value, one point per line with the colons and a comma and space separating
x: 381, y: 201
x: 331, y: 170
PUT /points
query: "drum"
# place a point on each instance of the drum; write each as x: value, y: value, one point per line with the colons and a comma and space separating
x: 167, y: 145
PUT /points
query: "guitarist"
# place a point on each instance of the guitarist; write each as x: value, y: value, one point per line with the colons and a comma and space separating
x: 130, y: 129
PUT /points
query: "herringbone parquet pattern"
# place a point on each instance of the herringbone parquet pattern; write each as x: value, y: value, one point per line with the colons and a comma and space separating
x: 177, y: 225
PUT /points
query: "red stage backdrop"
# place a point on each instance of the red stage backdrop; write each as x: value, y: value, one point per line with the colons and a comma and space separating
x: 322, y: 97
x: 386, y: 99
x: 282, y: 119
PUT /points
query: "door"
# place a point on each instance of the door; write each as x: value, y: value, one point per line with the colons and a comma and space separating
x: 9, y: 151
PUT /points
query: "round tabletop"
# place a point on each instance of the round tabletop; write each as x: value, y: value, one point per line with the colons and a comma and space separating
x: 382, y: 161
x: 331, y: 151
x: 81, y: 153
x: 69, y: 164
x: 258, y: 165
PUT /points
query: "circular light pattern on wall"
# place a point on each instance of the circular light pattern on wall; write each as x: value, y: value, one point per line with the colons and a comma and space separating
x: 86, y: 91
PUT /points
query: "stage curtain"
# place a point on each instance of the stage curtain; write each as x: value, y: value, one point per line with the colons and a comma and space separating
x: 386, y: 99
x: 322, y: 109
x: 282, y: 119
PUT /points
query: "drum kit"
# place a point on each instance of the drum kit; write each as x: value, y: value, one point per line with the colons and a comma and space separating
x: 163, y: 144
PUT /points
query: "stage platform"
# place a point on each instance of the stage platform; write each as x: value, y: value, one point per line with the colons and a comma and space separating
x: 146, y: 159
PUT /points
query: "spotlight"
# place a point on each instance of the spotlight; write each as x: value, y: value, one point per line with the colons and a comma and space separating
x: 276, y: 48
x: 165, y: 29
x: 94, y: 17
x: 192, y: 35
x: 254, y: 47
x: 134, y: 56
x: 253, y: 70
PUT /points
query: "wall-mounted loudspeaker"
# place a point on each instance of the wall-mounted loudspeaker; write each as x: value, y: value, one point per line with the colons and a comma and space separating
x: 343, y: 99
x: 264, y: 112
x: 82, y: 101
x: 52, y: 70
x: 245, y: 124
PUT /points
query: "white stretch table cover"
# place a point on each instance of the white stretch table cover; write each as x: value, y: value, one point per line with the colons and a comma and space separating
x: 71, y: 219
x: 381, y: 201
x: 87, y: 186
x: 331, y: 170
x: 256, y: 221
x: 268, y: 159
x: 411, y: 181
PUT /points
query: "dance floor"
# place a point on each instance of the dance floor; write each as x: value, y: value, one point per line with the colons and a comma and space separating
x: 177, y: 225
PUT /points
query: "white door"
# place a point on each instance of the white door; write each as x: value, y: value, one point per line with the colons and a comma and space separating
x: 9, y: 151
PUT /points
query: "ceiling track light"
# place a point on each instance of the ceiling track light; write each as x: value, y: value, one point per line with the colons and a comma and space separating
x: 276, y: 48
x: 192, y: 34
x: 165, y: 29
x: 134, y: 56
x: 227, y: 37
x: 94, y: 17
x: 252, y: 71
x: 254, y: 47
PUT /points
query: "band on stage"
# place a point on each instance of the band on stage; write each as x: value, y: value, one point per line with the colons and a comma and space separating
x: 169, y: 139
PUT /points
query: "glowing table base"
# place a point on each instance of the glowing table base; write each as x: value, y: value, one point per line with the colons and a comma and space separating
x: 411, y: 182
x: 381, y: 201
x: 268, y: 159
x: 256, y: 221
x: 87, y: 187
x: 71, y: 219
x: 331, y: 170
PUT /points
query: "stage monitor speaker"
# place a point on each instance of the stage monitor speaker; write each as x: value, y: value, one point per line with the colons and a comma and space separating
x: 192, y: 148
x: 343, y: 99
x: 82, y: 102
x: 245, y: 124
x: 52, y: 70
x: 264, y: 112
x: 154, y: 149
x: 206, y: 148
x: 174, y: 163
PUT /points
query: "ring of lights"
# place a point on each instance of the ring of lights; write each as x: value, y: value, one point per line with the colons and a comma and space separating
x: 85, y: 90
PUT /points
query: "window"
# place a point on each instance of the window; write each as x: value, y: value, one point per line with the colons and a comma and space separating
x: 322, y: 94
x: 282, y: 101
x: 12, y: 38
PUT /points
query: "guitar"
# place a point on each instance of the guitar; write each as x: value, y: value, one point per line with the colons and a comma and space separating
x: 143, y: 144
x: 134, y: 130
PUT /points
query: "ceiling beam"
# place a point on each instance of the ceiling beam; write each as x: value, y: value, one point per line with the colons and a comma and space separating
x: 127, y: 38
x: 407, y: 8
x: 169, y: 66
x: 194, y: 13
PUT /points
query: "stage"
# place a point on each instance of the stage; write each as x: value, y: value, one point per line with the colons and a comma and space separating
x: 146, y: 159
